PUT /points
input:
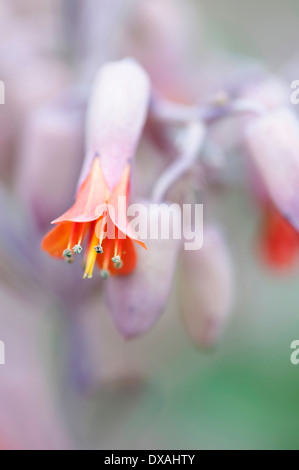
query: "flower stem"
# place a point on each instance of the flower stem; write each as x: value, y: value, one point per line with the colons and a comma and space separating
x: 194, y: 139
x: 174, y: 113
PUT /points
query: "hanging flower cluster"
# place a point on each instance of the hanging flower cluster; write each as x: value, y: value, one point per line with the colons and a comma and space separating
x: 123, y: 105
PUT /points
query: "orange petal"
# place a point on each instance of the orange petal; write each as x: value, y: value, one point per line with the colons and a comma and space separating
x: 118, y: 211
x: 91, y: 198
x: 127, y: 253
x: 56, y: 241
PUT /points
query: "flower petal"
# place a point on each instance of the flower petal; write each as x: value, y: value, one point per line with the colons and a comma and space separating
x: 126, y: 252
x: 118, y: 203
x: 57, y: 239
x: 90, y: 201
x: 207, y: 288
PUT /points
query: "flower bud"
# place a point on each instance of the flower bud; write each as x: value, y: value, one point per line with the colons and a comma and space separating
x: 116, y: 116
x: 272, y: 141
x: 49, y: 161
x: 207, y: 288
x: 137, y: 301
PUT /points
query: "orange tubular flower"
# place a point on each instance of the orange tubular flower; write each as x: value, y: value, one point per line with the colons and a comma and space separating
x: 279, y: 241
x: 116, y: 116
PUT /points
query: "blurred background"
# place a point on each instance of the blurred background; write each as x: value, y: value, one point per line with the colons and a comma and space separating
x: 70, y: 380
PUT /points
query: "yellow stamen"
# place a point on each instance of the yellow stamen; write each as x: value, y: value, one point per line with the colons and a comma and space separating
x: 91, y: 257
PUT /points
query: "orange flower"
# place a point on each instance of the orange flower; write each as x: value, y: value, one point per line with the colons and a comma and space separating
x: 116, y: 116
x: 279, y: 241
x: 93, y: 218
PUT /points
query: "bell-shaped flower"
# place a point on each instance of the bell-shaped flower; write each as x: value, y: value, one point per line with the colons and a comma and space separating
x: 116, y: 116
